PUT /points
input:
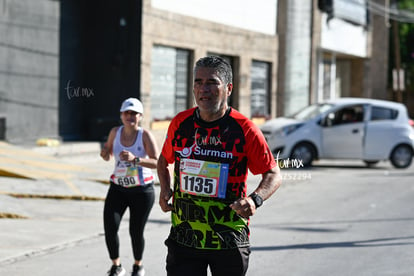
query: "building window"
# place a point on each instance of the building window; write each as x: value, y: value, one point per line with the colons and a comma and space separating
x: 169, y: 82
x: 327, y: 79
x: 260, y: 89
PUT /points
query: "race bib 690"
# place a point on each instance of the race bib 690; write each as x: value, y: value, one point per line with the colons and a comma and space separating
x: 126, y: 176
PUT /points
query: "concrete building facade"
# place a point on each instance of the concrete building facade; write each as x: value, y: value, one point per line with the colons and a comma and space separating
x: 29, y: 69
x: 66, y: 66
x: 330, y: 49
x: 200, y: 37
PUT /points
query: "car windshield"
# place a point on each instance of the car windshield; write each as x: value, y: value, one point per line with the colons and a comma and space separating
x: 311, y: 111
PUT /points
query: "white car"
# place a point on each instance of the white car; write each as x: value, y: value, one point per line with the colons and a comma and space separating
x: 346, y: 128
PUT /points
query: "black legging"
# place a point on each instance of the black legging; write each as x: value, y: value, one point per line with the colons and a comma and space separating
x: 140, y: 201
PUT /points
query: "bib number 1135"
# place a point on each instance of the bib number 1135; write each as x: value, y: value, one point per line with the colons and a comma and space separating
x: 199, y: 185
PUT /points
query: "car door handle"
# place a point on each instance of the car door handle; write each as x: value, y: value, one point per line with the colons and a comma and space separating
x: 355, y: 130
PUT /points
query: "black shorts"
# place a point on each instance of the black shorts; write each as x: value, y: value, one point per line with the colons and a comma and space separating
x: 186, y: 261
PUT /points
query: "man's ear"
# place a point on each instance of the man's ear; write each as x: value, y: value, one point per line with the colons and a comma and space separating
x: 229, y: 88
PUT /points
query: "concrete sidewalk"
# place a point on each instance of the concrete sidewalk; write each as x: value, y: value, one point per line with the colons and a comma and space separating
x: 51, y: 198
x: 56, y: 162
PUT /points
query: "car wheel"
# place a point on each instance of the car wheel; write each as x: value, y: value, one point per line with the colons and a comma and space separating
x: 304, y: 152
x: 371, y: 163
x: 401, y: 157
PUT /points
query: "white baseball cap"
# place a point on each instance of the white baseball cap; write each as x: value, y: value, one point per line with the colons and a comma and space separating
x: 132, y: 104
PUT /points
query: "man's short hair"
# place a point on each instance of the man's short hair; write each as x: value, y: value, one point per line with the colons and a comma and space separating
x: 222, y: 67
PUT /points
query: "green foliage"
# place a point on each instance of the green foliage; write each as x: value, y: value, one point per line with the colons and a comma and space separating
x: 406, y: 36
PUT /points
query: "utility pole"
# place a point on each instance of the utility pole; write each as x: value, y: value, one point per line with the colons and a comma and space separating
x: 397, y: 53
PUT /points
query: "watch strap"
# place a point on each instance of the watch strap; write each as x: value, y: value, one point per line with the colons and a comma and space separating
x: 257, y: 199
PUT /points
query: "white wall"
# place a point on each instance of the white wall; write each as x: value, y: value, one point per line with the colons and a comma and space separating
x: 343, y: 37
x: 257, y: 15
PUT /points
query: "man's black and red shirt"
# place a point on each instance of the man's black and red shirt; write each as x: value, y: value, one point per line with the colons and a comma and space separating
x: 212, y: 160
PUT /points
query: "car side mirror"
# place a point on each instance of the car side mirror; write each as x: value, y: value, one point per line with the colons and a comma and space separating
x: 328, y: 120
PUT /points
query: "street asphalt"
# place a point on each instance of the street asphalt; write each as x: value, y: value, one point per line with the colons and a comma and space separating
x: 338, y: 218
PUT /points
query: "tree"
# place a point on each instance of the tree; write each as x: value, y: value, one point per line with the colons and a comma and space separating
x: 405, y: 32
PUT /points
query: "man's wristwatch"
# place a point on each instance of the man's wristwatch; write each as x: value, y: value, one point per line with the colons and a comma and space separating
x: 258, y: 200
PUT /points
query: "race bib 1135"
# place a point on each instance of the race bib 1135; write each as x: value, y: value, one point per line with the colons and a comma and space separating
x: 203, y: 178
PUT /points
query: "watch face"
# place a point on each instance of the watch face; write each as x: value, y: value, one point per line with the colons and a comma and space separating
x: 258, y: 201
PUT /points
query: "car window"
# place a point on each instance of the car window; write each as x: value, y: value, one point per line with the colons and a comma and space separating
x: 346, y: 115
x: 310, y: 111
x: 383, y: 113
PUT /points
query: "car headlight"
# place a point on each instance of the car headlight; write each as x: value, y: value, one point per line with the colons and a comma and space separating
x: 285, y: 131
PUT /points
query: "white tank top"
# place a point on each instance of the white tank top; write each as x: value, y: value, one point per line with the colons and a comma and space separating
x: 126, y: 173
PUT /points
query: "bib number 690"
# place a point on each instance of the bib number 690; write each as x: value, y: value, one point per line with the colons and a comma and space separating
x: 125, y: 181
